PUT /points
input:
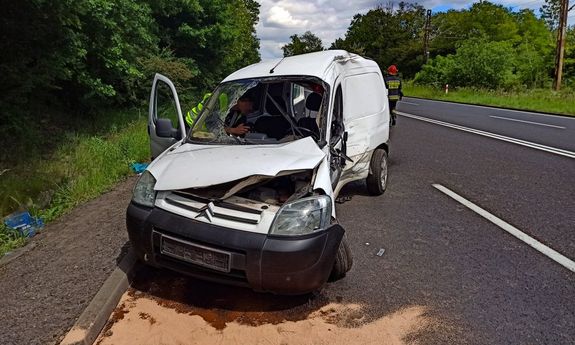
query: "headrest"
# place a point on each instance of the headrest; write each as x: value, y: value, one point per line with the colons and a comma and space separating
x: 313, y: 101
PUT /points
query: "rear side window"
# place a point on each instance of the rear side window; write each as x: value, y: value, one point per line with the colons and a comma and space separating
x: 363, y: 95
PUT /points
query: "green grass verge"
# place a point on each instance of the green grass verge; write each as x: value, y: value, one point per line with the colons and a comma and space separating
x: 10, y: 239
x: 537, y: 100
x: 80, y: 169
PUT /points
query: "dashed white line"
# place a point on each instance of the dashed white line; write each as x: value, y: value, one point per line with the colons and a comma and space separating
x: 550, y: 149
x: 543, y: 249
x: 529, y: 122
x: 410, y: 103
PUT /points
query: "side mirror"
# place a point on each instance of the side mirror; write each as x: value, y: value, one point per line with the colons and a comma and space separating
x: 164, y: 128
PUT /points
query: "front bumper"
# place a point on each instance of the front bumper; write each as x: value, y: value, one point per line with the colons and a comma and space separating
x: 282, y: 265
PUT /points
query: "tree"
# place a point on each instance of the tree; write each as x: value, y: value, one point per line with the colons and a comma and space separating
x: 212, y: 37
x: 483, y: 19
x: 82, y: 55
x: 550, y: 13
x: 477, y: 63
x: 389, y: 36
x: 306, y: 43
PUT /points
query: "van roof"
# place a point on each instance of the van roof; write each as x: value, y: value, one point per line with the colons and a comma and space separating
x: 325, y: 65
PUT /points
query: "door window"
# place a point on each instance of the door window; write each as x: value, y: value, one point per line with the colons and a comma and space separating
x: 337, y: 118
x: 298, y: 100
x: 165, y: 104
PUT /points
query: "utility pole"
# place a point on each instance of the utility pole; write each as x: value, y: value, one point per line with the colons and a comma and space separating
x: 426, y: 37
x: 561, y: 33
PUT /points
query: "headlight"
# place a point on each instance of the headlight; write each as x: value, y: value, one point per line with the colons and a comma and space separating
x: 144, y: 193
x: 303, y: 216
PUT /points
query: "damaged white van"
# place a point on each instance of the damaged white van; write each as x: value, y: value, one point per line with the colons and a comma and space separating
x: 257, y: 209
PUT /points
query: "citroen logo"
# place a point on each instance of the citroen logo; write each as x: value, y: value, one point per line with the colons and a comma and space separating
x: 207, y: 211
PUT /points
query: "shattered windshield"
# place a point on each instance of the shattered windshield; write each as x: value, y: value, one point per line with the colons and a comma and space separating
x: 262, y: 111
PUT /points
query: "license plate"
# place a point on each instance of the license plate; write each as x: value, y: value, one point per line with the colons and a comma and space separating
x: 196, y: 254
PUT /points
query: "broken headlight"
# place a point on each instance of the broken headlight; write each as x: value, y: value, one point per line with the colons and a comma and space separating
x: 144, y: 193
x: 303, y: 216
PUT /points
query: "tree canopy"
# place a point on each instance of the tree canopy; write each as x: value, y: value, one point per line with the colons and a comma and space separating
x: 388, y: 35
x: 84, y: 54
x: 306, y: 43
x: 486, y: 45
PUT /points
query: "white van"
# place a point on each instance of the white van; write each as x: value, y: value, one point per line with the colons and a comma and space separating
x: 257, y: 209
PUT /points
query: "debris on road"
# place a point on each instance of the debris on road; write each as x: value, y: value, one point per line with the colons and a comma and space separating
x: 343, y: 199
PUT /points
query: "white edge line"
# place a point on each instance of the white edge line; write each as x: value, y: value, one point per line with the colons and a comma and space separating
x: 540, y: 247
x: 502, y: 109
x: 529, y: 122
x: 405, y: 102
x: 493, y: 135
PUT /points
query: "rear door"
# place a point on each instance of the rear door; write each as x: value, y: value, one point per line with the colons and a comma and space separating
x: 165, y: 121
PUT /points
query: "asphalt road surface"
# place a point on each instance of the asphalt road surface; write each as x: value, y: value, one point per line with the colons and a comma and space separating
x: 479, y: 283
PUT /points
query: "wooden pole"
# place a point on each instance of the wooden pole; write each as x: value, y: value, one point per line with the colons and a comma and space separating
x: 561, y: 33
x: 426, y: 37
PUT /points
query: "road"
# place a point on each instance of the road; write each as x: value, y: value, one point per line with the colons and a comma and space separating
x: 464, y: 277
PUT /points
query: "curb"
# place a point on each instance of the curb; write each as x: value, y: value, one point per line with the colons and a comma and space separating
x: 94, y: 317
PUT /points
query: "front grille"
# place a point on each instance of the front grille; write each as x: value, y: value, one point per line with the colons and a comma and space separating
x: 201, y: 208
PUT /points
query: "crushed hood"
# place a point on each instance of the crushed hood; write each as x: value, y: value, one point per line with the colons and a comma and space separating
x: 195, y: 166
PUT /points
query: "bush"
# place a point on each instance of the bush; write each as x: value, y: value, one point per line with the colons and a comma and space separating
x: 489, y: 65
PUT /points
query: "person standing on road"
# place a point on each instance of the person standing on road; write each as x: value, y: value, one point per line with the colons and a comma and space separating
x: 394, y: 94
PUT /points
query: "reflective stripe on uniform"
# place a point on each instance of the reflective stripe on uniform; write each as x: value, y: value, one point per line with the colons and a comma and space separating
x: 393, y: 86
x: 192, y: 115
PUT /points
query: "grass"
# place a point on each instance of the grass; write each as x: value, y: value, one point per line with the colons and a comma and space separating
x: 536, y: 99
x: 10, y: 239
x: 82, y: 167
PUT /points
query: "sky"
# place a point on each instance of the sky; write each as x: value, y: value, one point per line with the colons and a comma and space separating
x: 329, y: 19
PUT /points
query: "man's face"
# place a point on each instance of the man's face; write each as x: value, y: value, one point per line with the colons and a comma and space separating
x: 245, y: 106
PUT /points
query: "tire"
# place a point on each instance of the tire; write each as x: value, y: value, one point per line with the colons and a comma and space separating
x: 343, y: 261
x: 377, y: 179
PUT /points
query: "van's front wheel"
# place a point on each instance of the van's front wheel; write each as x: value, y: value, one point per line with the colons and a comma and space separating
x: 343, y: 261
x: 377, y: 179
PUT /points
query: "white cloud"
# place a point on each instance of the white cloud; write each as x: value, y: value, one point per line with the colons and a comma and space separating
x: 329, y: 19
x: 280, y: 17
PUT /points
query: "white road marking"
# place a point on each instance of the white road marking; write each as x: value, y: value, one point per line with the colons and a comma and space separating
x: 543, y: 249
x: 550, y: 149
x: 529, y: 122
x: 405, y: 102
x: 502, y: 109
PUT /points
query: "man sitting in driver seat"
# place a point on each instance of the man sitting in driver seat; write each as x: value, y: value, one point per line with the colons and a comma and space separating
x: 235, y: 122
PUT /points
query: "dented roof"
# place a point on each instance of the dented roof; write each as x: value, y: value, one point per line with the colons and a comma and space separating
x: 326, y: 65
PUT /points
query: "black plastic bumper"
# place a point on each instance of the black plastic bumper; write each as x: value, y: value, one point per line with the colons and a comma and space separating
x: 282, y: 265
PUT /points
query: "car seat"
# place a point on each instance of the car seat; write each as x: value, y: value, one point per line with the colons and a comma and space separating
x: 275, y: 126
x: 312, y: 103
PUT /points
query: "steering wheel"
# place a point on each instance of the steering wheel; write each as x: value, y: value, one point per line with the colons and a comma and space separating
x: 313, y: 134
